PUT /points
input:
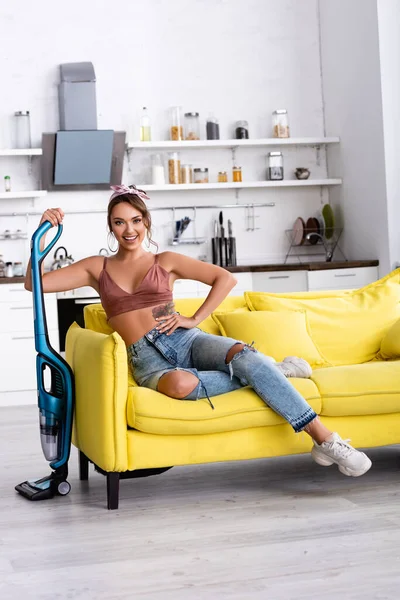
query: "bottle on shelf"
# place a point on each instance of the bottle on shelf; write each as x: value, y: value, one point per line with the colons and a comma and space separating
x: 176, y: 129
x: 145, y: 126
x: 174, y: 167
x: 157, y: 170
x: 7, y: 183
x: 9, y: 269
x: 22, y: 129
x: 237, y: 174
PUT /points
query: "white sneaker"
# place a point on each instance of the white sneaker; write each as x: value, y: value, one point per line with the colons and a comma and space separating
x: 351, y: 462
x: 293, y: 366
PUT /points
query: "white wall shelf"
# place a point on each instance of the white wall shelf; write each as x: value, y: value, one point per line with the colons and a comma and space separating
x: 171, y: 187
x: 21, y: 152
x: 167, y: 145
x: 28, y: 194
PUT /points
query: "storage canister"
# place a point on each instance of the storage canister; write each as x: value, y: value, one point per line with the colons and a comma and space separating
x: 186, y: 174
x: 22, y: 129
x: 242, y: 130
x: 200, y: 175
x: 212, y: 128
x: 275, y: 166
x: 222, y: 177
x: 174, y: 167
x: 176, y: 124
x: 192, y: 126
x: 237, y: 174
x: 280, y: 123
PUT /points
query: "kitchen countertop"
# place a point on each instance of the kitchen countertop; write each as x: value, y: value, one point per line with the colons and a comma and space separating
x: 306, y: 266
x: 310, y: 266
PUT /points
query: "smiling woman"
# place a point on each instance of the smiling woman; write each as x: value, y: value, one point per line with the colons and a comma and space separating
x: 166, y: 350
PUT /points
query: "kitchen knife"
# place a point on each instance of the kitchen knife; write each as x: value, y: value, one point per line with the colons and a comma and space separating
x: 214, y: 244
x: 220, y: 239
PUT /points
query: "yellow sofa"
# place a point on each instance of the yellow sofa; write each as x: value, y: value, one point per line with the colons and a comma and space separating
x: 352, y: 338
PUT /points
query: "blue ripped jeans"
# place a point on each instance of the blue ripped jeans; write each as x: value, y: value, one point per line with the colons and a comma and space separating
x: 204, y: 354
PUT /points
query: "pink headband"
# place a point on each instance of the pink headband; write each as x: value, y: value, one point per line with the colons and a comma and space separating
x: 124, y: 189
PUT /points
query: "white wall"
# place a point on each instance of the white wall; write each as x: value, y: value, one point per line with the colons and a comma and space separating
x: 389, y: 46
x: 353, y: 110
x: 237, y: 59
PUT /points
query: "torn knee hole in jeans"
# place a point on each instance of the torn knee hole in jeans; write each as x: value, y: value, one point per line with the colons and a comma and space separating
x: 238, y: 354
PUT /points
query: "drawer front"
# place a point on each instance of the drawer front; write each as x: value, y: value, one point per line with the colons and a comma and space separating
x: 18, y: 357
x: 18, y: 316
x: 15, y: 292
x: 341, y: 279
x: 280, y: 281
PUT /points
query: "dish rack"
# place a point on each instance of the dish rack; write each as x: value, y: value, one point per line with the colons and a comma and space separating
x: 311, y: 247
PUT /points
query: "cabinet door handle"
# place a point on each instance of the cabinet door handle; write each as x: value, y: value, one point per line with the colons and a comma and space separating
x: 278, y: 276
x: 23, y: 337
x: 20, y: 307
x: 345, y: 275
x: 19, y: 290
x: 87, y: 301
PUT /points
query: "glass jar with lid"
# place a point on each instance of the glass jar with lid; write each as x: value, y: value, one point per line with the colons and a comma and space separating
x: 192, y: 126
x: 212, y: 128
x: 275, y: 166
x: 22, y: 129
x: 176, y: 128
x: 242, y: 130
x: 186, y: 174
x: 200, y: 175
x: 280, y: 123
x: 236, y: 174
x: 222, y: 177
x: 174, y: 167
x: 18, y: 270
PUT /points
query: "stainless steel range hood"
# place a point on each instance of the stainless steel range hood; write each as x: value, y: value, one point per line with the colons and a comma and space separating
x: 80, y: 156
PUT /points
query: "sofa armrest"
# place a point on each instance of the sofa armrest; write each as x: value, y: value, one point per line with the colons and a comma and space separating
x: 100, y: 367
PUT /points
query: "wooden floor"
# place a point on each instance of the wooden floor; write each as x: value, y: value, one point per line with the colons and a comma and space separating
x: 271, y: 529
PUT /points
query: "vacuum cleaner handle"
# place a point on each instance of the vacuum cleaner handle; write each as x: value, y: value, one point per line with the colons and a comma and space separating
x: 37, y: 257
x: 37, y: 236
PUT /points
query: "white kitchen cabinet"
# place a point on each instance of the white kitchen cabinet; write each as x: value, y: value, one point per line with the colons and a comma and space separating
x: 341, y: 279
x: 280, y: 281
x: 17, y: 343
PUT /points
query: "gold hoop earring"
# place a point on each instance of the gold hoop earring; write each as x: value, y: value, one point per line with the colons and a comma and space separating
x: 111, y: 234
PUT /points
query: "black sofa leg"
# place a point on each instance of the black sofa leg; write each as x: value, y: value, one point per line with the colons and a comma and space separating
x: 83, y: 466
x: 112, y: 491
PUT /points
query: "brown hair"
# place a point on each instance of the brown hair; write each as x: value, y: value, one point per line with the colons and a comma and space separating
x: 136, y: 202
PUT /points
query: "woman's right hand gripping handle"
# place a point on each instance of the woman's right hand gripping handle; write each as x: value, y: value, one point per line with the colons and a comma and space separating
x: 54, y: 216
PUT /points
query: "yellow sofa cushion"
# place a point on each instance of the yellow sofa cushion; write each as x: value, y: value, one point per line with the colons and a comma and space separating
x: 151, y: 412
x: 367, y: 389
x: 390, y: 345
x: 95, y: 317
x: 276, y: 334
x: 347, y: 327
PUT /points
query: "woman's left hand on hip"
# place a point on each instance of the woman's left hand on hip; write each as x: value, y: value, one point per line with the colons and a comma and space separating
x: 168, y: 323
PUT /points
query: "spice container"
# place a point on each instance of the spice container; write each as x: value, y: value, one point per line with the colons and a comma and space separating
x: 237, y: 174
x: 22, y: 129
x: 222, y: 177
x: 174, y: 167
x: 7, y: 183
x: 242, y: 130
x: 280, y: 123
x: 2, y: 267
x: 157, y: 170
x: 192, y: 126
x: 176, y: 124
x: 212, y: 128
x: 186, y: 174
x: 275, y: 166
x: 200, y: 175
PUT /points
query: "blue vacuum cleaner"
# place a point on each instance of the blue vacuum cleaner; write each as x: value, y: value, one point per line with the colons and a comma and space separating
x: 55, y: 398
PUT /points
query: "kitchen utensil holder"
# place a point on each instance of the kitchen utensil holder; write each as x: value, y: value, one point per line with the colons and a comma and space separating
x: 306, y: 250
x: 13, y: 236
x: 226, y: 258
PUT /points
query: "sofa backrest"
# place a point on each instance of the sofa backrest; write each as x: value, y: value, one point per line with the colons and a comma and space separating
x: 95, y: 317
x: 347, y: 326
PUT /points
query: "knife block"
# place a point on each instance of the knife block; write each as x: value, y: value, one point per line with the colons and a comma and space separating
x: 223, y: 251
